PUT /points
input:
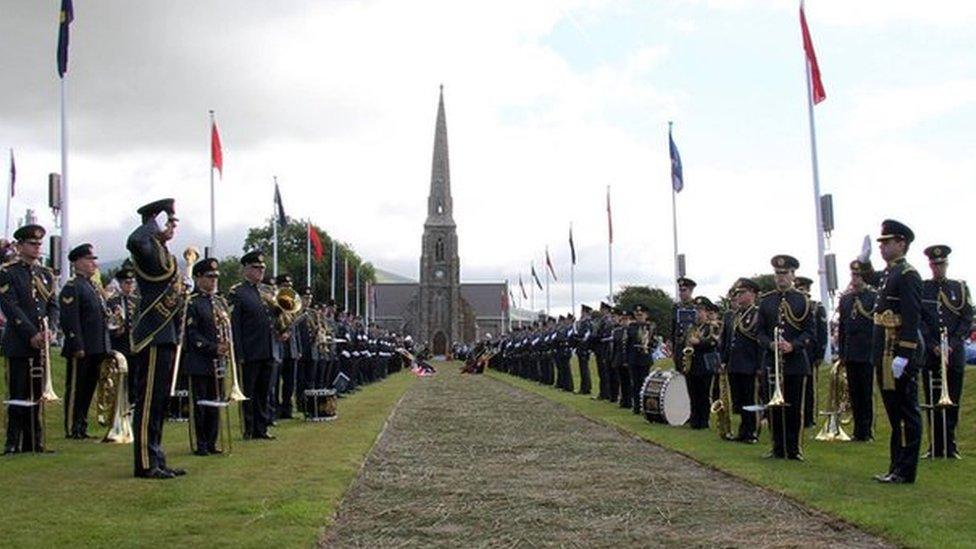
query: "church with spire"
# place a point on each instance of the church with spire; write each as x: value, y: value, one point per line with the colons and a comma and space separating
x: 440, y: 310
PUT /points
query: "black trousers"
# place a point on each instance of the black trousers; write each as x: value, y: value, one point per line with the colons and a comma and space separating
x: 626, y: 389
x: 613, y: 379
x: 583, y: 361
x: 602, y: 372
x: 638, y: 372
x: 80, y: 383
x: 24, y: 429
x: 205, y: 421
x: 743, y: 388
x: 786, y: 422
x: 564, y: 373
x: 943, y: 421
x: 154, y: 372
x: 810, y: 398
x: 257, y: 387
x: 288, y: 381
x: 860, y: 389
x: 307, y: 380
x: 901, y: 405
x: 700, y: 397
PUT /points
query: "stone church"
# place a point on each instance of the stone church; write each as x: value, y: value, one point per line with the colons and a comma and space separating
x: 440, y: 309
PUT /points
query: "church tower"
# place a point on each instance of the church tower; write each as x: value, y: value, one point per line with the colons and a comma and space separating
x: 440, y: 270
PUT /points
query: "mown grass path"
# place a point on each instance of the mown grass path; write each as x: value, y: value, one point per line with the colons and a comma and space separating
x: 469, y: 461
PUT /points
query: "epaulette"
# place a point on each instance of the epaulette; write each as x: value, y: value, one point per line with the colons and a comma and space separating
x: 9, y: 263
x: 907, y: 268
x: 766, y: 293
x: 234, y: 288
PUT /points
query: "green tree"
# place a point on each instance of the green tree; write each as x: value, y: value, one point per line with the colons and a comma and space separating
x: 292, y: 247
x: 657, y: 301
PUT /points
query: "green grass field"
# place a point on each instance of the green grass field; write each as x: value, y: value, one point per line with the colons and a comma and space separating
x: 266, y: 493
x: 937, y: 511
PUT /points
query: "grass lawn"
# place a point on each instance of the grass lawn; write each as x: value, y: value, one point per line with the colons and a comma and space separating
x: 836, y: 477
x: 266, y: 493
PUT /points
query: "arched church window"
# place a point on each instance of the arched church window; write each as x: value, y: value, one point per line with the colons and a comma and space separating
x: 439, y: 250
x: 440, y: 207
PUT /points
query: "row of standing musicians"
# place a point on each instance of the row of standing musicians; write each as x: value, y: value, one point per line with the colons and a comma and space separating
x: 889, y: 324
x: 154, y: 318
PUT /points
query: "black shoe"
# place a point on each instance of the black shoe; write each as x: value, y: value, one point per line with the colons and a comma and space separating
x: 156, y: 473
x: 896, y: 479
x: 882, y: 477
x: 176, y: 472
x: 201, y: 452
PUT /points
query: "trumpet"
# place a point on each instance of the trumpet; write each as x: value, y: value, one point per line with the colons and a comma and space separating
x: 945, y: 401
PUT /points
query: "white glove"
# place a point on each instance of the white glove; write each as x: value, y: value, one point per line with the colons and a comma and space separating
x: 898, y: 366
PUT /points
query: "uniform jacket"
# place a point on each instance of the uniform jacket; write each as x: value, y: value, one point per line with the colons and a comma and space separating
x: 901, y: 293
x: 83, y: 319
x: 741, y: 351
x: 253, y: 324
x: 128, y: 304
x: 793, y: 312
x: 855, y: 324
x: 160, y: 286
x: 200, y: 346
x: 26, y: 297
x: 946, y: 303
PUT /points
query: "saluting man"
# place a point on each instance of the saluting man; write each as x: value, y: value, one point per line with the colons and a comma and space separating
x: 897, y: 351
x: 789, y: 310
x: 86, y: 339
x: 945, y: 305
x: 201, y: 356
x: 855, y: 324
x: 154, y: 335
x: 26, y: 298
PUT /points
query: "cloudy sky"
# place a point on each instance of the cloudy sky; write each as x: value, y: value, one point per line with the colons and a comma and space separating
x: 547, y: 104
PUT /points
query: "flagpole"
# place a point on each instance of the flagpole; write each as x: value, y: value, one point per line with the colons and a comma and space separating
x: 821, y: 259
x: 274, y: 225
x: 335, y: 265
x: 572, y: 272
x: 532, y: 295
x: 358, y: 297
x: 213, y: 230
x: 609, y: 252
x: 547, y: 284
x: 65, y: 234
x: 10, y: 197
x: 308, y: 253
x: 345, y: 284
x: 674, y: 222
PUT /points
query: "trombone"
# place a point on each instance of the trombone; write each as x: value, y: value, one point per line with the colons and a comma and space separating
x: 777, y: 401
x: 945, y: 401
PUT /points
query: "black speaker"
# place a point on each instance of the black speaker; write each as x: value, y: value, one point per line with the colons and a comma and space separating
x: 55, y: 248
x: 827, y: 213
x: 54, y: 191
x: 830, y: 263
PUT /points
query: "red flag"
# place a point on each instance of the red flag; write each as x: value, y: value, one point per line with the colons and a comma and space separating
x: 313, y: 237
x: 549, y: 264
x: 817, y: 92
x: 216, y: 154
x: 609, y: 217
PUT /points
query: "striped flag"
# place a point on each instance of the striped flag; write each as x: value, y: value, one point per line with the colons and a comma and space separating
x: 817, y: 91
x: 572, y: 247
x: 549, y: 264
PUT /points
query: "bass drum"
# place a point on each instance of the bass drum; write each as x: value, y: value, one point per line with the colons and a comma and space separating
x: 664, y: 398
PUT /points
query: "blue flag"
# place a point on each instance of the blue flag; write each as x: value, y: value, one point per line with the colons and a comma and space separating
x: 66, y: 17
x: 677, y: 177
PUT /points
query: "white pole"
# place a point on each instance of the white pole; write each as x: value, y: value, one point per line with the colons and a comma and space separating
x: 65, y: 234
x: 213, y: 230
x: 10, y: 192
x: 674, y: 221
x: 547, y: 283
x: 358, y: 297
x: 609, y: 252
x: 532, y: 294
x: 335, y: 265
x: 274, y: 226
x: 572, y: 274
x: 308, y: 253
x: 345, y: 284
x: 367, y: 303
x: 821, y: 259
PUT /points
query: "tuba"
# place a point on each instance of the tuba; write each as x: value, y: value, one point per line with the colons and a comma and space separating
x: 112, y: 399
x: 287, y: 305
x: 839, y: 402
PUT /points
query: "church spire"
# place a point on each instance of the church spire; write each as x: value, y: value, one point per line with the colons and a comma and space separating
x: 440, y: 206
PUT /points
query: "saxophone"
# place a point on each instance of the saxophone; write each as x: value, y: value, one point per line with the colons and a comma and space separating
x: 722, y: 407
x: 692, y: 338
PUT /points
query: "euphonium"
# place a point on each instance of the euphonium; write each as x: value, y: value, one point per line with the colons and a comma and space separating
x: 839, y: 404
x: 113, y: 394
x: 777, y: 400
x: 286, y: 305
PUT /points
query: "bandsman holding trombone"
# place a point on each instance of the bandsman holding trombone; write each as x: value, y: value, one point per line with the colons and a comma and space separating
x: 785, y: 327
x: 29, y: 305
x: 946, y: 314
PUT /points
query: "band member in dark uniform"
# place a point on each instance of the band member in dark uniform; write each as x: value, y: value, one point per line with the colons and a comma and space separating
x: 815, y: 352
x: 639, y: 340
x: 790, y: 311
x: 83, y: 321
x: 121, y: 313
x: 307, y: 329
x: 855, y: 324
x: 897, y: 351
x: 945, y: 306
x: 255, y: 344
x: 742, y: 356
x: 602, y: 338
x: 682, y: 315
x: 581, y: 336
x: 154, y: 335
x: 620, y: 375
x: 290, y: 355
x: 27, y: 299
x: 702, y: 339
x: 202, y: 351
